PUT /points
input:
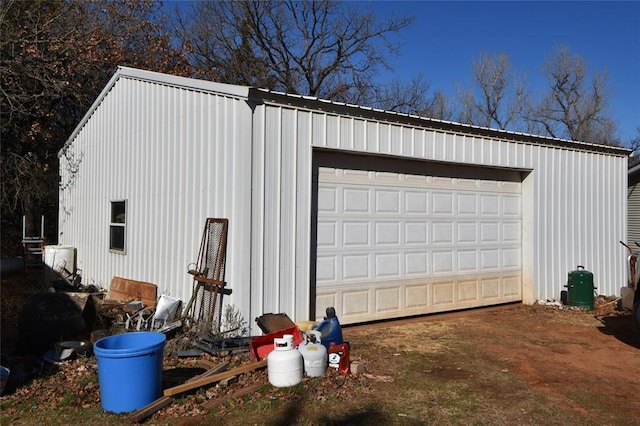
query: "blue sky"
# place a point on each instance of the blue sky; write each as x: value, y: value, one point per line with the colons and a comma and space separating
x: 446, y: 36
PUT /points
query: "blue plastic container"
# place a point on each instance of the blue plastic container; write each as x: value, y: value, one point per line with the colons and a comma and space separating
x: 4, y: 377
x: 330, y: 329
x: 130, y: 370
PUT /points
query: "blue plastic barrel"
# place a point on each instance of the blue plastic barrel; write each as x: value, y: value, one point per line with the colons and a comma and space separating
x: 129, y: 370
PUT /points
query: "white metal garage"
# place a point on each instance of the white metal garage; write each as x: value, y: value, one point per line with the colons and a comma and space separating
x: 379, y: 214
x: 429, y: 238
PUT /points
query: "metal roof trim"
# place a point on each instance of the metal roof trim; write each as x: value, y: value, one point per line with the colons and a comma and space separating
x: 433, y: 123
x: 186, y: 82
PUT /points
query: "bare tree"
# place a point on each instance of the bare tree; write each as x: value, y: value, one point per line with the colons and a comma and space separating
x: 439, y: 107
x: 408, y: 97
x: 317, y: 48
x: 56, y: 57
x: 498, y: 96
x: 634, y: 146
x: 575, y: 105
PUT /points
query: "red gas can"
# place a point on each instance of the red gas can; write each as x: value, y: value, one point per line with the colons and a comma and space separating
x: 339, y: 357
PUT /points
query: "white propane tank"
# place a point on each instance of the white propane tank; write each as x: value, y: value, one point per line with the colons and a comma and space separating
x: 314, y: 354
x: 284, y: 363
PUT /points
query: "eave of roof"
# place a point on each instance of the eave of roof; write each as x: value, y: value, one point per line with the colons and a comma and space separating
x: 313, y: 103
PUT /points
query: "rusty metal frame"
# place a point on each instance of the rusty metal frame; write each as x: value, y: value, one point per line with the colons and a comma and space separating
x: 204, y: 307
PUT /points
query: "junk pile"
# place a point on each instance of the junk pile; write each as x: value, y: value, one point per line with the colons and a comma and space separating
x: 131, y: 332
x: 287, y: 352
x: 59, y: 326
x: 292, y: 353
x: 142, y: 346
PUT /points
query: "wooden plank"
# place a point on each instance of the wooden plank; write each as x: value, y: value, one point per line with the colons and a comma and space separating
x: 146, y: 411
x: 126, y: 290
x: 215, y: 378
x: 214, y: 402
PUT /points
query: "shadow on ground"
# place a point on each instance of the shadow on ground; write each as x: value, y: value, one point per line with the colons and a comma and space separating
x: 369, y: 415
x: 621, y: 327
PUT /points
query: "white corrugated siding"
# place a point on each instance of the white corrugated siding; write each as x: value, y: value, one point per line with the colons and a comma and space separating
x: 177, y: 156
x: 574, y: 201
x: 281, y: 213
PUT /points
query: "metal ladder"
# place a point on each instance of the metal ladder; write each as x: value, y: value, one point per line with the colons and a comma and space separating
x: 33, y: 246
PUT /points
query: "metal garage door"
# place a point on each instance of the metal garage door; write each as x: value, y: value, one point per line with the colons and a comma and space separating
x: 393, y: 244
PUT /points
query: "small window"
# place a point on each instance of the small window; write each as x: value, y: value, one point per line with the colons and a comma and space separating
x: 117, y: 228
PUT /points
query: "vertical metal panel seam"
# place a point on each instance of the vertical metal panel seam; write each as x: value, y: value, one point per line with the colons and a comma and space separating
x: 304, y: 191
x: 263, y: 209
x: 252, y: 283
x: 294, y: 203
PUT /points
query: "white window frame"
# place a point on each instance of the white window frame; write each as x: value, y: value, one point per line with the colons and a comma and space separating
x: 115, y: 223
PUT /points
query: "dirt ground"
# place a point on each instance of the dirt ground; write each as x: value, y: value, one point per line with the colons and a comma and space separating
x: 514, y: 364
x: 588, y: 362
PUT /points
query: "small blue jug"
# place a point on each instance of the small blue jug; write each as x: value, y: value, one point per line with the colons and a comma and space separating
x: 330, y: 329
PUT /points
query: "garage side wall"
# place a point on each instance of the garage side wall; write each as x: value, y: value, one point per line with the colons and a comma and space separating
x: 176, y: 156
x: 574, y: 201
